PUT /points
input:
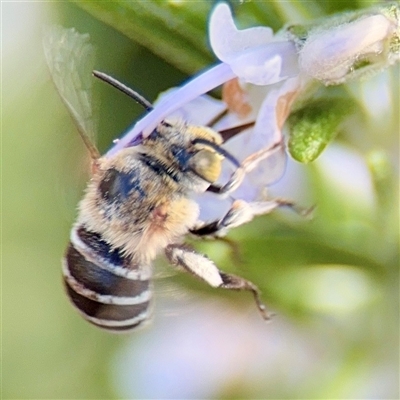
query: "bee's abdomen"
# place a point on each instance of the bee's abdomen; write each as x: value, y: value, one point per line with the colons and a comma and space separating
x: 108, y: 289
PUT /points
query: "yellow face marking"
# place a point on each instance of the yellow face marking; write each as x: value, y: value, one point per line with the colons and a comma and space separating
x: 207, y: 164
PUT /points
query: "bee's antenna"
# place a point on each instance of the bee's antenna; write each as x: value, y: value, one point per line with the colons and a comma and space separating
x: 124, y: 89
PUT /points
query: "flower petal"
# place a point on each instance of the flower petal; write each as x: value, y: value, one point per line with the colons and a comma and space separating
x: 266, y: 65
x: 267, y: 131
x: 200, y: 111
x: 226, y: 40
x: 252, y: 53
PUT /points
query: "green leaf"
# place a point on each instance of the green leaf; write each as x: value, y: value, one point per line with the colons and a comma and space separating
x: 315, y: 125
x: 175, y: 31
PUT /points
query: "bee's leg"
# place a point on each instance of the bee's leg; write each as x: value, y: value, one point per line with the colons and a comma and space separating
x: 199, y: 265
x: 247, y: 165
x: 240, y: 213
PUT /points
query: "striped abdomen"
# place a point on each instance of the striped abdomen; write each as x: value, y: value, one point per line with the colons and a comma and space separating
x: 108, y: 289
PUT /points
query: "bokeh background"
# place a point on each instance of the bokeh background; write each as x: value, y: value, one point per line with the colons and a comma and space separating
x: 332, y: 280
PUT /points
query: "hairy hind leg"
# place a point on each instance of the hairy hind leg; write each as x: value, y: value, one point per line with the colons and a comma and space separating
x: 199, y: 265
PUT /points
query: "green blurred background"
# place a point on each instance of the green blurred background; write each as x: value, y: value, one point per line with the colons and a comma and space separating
x: 333, y: 281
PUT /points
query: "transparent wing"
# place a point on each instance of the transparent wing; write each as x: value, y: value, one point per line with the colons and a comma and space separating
x: 70, y: 58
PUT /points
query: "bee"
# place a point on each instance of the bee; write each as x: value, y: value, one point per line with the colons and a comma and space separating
x: 139, y: 203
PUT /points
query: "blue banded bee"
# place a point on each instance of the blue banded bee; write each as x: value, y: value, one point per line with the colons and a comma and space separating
x: 138, y: 203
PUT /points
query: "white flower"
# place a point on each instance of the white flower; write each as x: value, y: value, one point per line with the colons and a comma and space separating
x: 252, y: 55
x: 332, y: 52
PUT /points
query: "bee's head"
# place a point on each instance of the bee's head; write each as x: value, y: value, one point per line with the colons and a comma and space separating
x: 191, y: 148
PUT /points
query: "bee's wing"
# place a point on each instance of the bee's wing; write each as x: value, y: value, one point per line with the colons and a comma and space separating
x: 70, y: 58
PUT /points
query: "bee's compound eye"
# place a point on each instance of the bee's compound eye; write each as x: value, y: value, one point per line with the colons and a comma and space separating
x: 207, y: 164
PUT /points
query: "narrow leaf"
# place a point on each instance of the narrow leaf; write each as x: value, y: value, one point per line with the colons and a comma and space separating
x: 315, y: 125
